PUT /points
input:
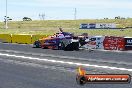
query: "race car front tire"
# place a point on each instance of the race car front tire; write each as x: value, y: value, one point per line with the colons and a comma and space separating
x: 36, y: 44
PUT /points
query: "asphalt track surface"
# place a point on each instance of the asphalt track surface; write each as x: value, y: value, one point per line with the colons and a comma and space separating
x: 22, y: 66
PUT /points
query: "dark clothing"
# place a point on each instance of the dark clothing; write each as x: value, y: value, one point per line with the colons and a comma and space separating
x: 66, y: 33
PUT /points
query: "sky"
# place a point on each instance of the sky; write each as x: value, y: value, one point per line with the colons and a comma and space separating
x: 65, y: 9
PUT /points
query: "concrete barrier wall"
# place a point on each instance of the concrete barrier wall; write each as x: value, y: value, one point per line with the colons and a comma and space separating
x: 22, y: 39
x: 5, y: 38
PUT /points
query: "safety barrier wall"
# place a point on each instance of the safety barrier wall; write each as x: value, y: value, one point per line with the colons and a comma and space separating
x: 5, y: 38
x: 117, y: 43
x: 20, y: 39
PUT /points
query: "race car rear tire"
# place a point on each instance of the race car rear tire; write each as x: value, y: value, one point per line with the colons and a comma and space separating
x: 75, y: 45
x: 69, y: 47
x: 72, y: 46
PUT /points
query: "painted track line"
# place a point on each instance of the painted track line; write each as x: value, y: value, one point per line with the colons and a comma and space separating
x: 66, y: 62
x: 68, y: 57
